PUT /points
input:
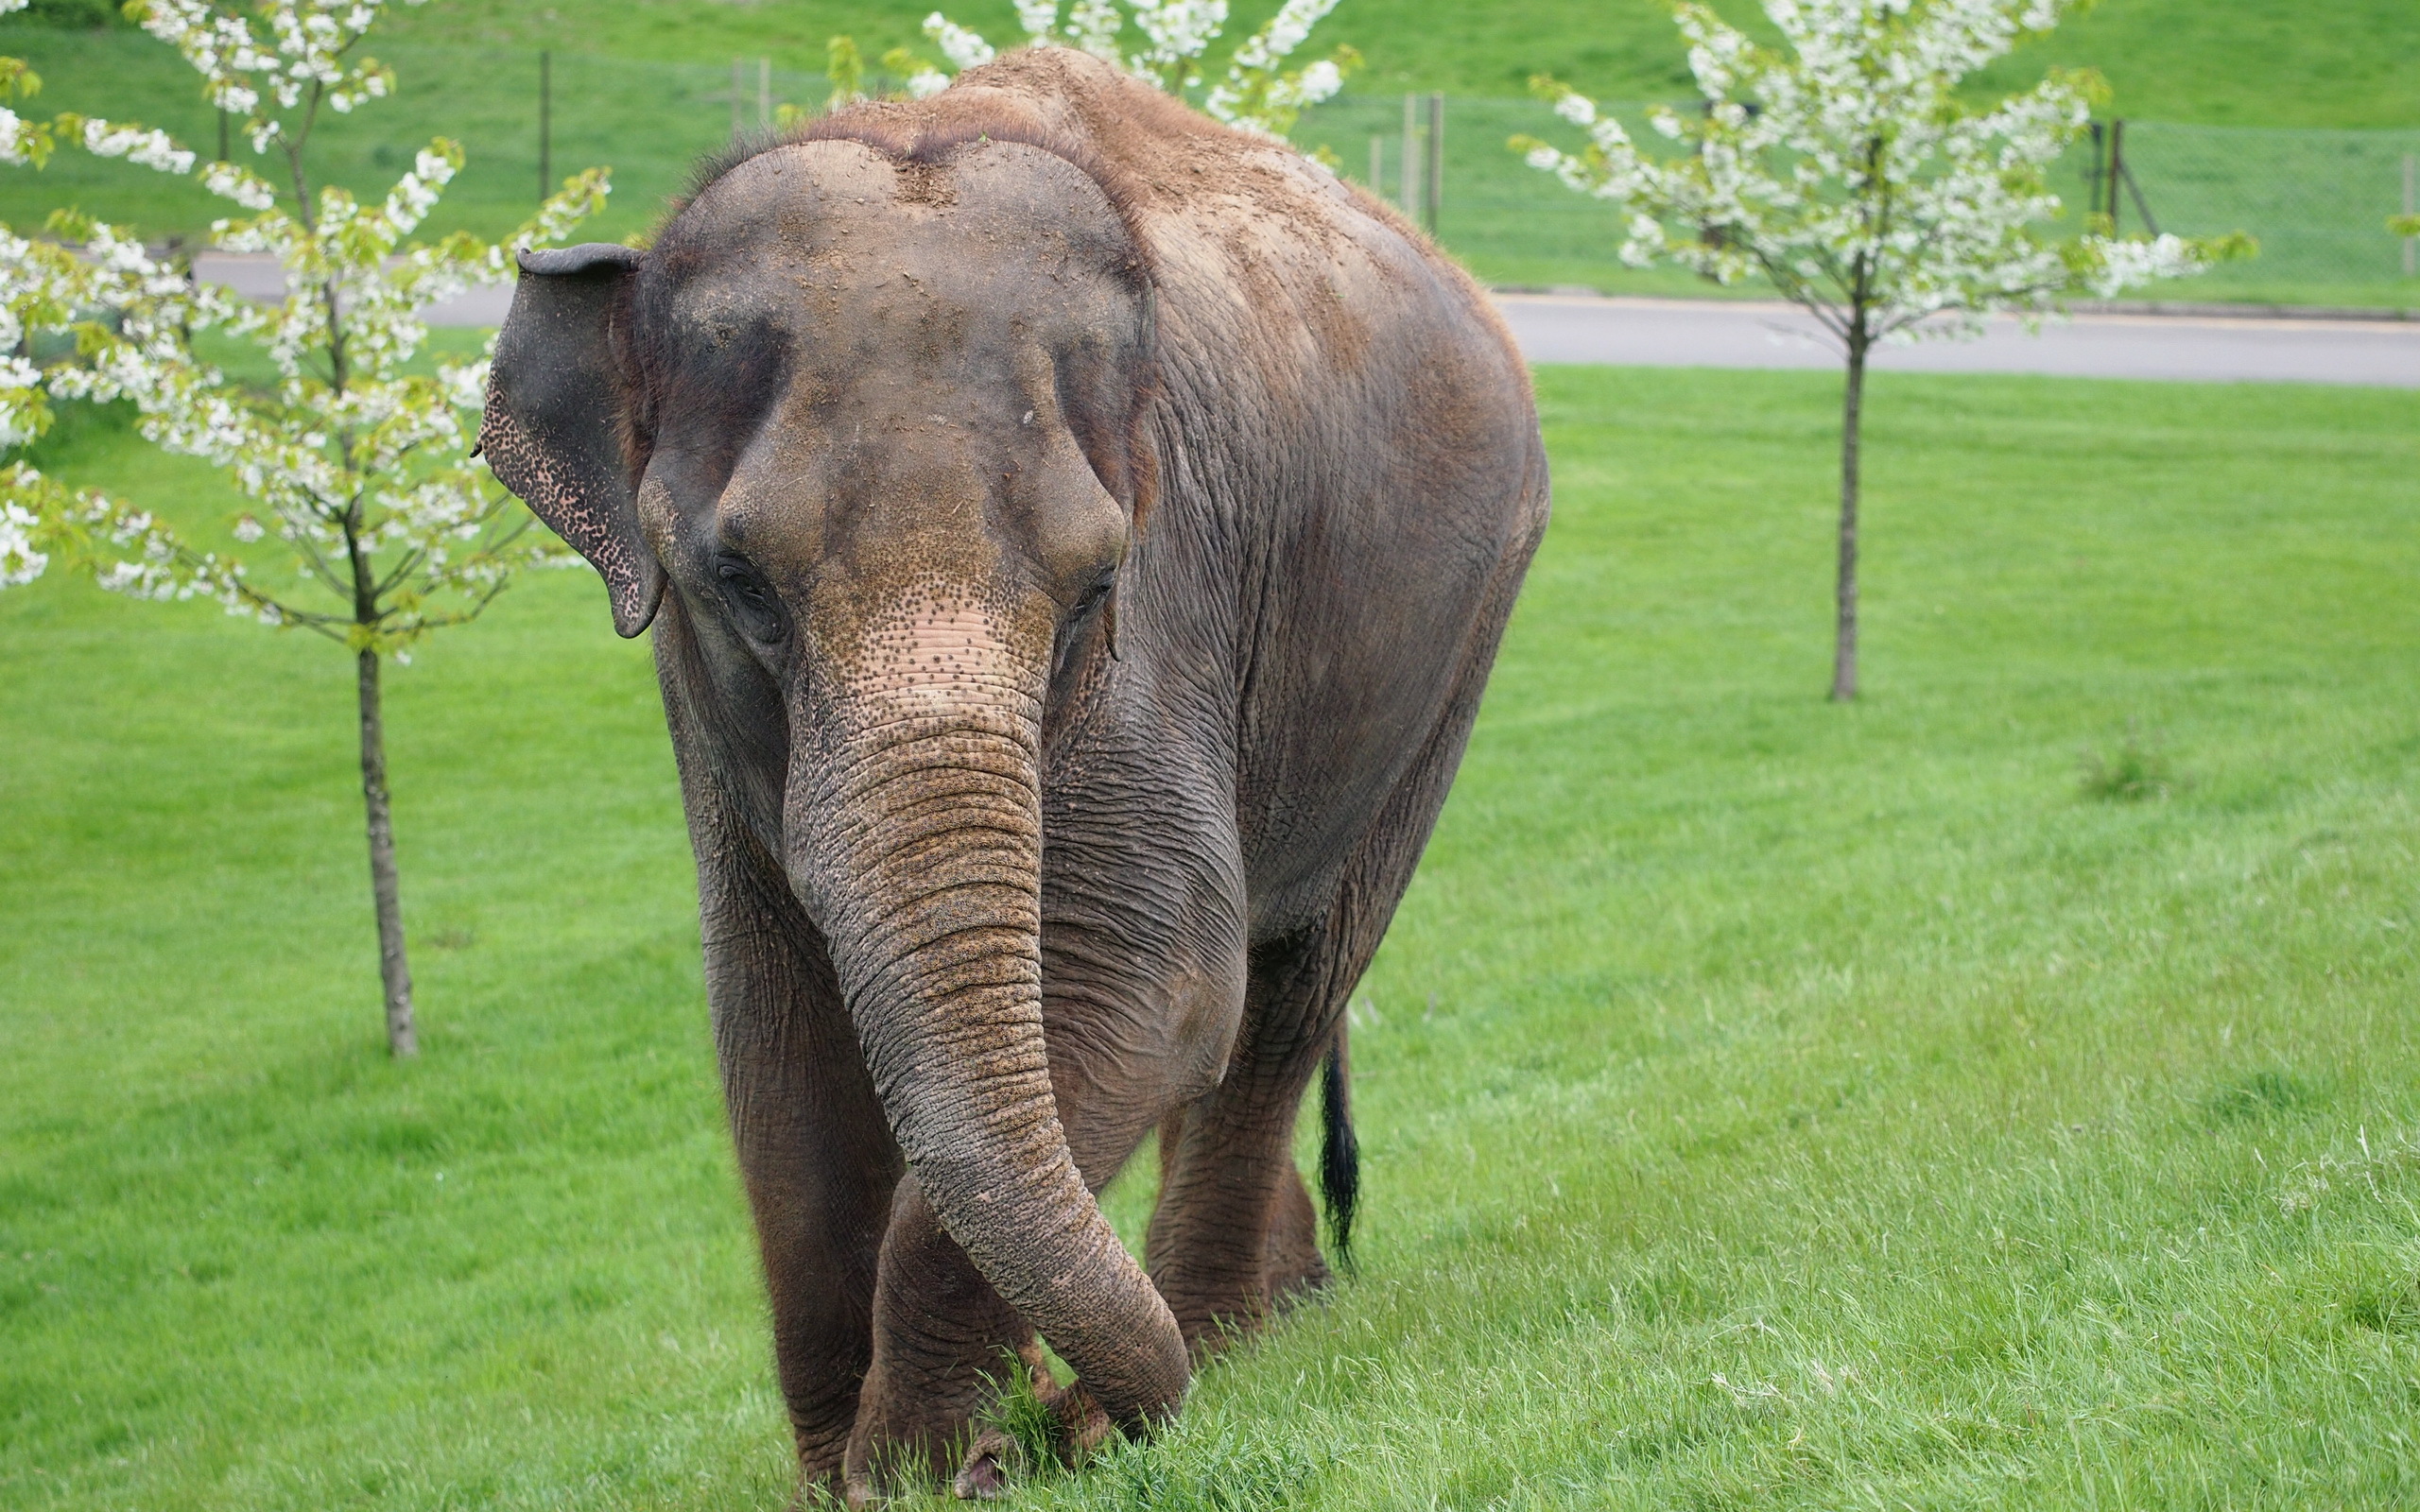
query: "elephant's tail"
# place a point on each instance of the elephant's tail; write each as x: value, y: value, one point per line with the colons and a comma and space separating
x: 1339, y: 1152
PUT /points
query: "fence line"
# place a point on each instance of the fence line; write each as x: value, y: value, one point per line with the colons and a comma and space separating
x: 2317, y: 201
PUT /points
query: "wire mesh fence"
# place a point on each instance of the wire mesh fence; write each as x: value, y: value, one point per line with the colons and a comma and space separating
x: 650, y: 121
x: 2316, y: 200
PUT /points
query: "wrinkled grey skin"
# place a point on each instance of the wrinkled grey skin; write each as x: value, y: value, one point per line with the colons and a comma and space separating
x: 1075, y: 537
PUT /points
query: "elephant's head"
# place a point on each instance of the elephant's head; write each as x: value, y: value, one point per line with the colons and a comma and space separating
x: 871, y: 418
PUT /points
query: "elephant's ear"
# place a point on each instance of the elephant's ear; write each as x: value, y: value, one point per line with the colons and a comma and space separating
x: 555, y: 416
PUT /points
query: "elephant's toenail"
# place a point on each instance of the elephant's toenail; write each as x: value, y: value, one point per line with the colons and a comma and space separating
x: 979, y: 1479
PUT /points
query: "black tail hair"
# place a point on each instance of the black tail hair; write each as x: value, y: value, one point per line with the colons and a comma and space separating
x: 1340, y: 1153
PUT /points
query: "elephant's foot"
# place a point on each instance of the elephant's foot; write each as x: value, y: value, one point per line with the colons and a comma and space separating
x: 907, y: 1450
x: 1290, y: 1272
x: 1292, y: 1267
x: 822, y: 1448
x: 1077, y: 1426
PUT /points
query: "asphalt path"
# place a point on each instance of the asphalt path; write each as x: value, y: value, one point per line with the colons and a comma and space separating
x: 2209, y: 349
x: 1739, y: 333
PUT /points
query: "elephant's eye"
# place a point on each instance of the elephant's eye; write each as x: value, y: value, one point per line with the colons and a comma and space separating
x: 752, y: 604
x: 1094, y: 593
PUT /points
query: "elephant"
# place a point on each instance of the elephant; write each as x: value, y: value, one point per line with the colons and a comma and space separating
x: 1076, y: 536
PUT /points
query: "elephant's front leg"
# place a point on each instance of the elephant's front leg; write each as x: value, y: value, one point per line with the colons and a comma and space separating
x: 815, y: 1154
x: 943, y: 1343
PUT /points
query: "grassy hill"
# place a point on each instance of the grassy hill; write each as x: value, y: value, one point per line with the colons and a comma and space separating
x: 2003, y: 1092
x: 2261, y: 62
x: 2236, y: 63
x: 646, y: 86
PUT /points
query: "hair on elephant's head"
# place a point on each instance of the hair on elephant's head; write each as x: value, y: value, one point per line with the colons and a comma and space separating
x: 869, y: 412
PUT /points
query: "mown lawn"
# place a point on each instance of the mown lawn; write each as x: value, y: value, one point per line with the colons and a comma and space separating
x: 2243, y: 62
x: 645, y: 88
x: 1765, y: 1103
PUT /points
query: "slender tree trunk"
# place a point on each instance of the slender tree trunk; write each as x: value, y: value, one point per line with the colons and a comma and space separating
x: 1844, y: 597
x: 393, y: 970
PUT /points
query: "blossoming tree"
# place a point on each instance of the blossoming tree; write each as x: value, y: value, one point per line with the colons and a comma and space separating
x: 1846, y: 168
x: 1257, y: 93
x: 360, y: 465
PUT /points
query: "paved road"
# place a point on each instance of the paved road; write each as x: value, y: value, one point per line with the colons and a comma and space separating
x: 258, y: 277
x: 1728, y: 334
x: 1714, y: 334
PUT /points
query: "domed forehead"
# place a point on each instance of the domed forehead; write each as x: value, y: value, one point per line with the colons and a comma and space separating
x: 1003, y: 225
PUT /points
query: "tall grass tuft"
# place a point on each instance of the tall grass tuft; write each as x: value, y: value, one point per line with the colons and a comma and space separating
x: 2137, y: 771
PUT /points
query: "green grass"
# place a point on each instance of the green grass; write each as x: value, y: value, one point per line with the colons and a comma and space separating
x: 2236, y: 63
x: 2258, y: 62
x: 2316, y: 200
x: 1765, y: 1103
x: 645, y: 86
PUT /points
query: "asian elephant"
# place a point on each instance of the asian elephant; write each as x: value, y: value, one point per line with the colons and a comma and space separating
x: 1076, y: 535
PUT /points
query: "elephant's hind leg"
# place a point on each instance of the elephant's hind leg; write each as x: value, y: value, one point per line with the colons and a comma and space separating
x: 1234, y: 1236
x: 1291, y: 1266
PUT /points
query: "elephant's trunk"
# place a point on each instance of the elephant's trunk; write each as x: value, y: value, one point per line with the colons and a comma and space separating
x: 914, y: 808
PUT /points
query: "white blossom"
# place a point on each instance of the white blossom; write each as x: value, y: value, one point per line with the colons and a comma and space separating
x: 246, y: 188
x: 964, y: 48
x: 20, y: 563
x: 1284, y: 32
x: 361, y: 465
x: 1860, y: 183
x: 1094, y: 24
x: 2115, y: 265
x: 304, y: 51
x: 1039, y: 19
x: 149, y: 150
x: 1256, y: 94
x: 1179, y: 32
x: 22, y: 410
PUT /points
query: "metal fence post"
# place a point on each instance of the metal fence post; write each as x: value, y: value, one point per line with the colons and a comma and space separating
x: 1411, y: 195
x: 2119, y: 171
x: 545, y: 123
x: 2410, y: 243
x: 764, y: 93
x: 738, y: 95
x: 1436, y: 196
x: 2116, y: 167
x: 2092, y: 172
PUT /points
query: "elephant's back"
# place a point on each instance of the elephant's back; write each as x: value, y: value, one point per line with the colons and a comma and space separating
x: 1350, y: 473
